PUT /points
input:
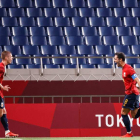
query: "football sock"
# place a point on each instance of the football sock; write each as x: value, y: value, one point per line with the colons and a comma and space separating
x: 4, y: 122
x: 138, y: 114
x: 126, y: 122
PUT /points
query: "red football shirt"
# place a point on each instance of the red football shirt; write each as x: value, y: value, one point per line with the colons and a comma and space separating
x: 130, y: 84
x: 2, y: 70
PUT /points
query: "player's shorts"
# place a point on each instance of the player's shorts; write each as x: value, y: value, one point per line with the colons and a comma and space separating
x: 131, y: 101
x: 2, y: 103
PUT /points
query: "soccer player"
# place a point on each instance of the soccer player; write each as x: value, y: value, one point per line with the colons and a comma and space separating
x: 6, y: 59
x: 131, y: 100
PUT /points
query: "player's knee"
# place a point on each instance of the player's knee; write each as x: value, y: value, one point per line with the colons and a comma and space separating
x: 1, y: 114
x: 133, y: 116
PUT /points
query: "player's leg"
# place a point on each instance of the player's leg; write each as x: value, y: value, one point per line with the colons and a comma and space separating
x: 1, y: 112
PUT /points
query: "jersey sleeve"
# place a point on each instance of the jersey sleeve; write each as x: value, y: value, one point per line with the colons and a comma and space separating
x: 130, y: 71
x: 1, y: 71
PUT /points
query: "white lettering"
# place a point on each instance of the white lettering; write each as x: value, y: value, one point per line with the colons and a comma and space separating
x: 119, y: 120
x: 99, y: 119
x: 112, y: 120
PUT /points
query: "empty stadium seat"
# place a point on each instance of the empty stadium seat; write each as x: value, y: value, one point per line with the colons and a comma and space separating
x: 56, y: 40
x: 103, y: 50
x: 131, y: 21
x: 93, y: 40
x: 4, y: 40
x: 20, y: 31
x: 59, y: 3
x: 69, y: 66
x: 37, y: 31
x: 136, y: 49
x: 136, y: 31
x: 95, y: 3
x: 38, y: 40
x: 3, y: 12
x: 130, y: 3
x: 54, y: 31
x: 104, y: 12
x: 1, y: 50
x: 86, y: 12
x: 20, y: 40
x: 69, y: 12
x: 51, y: 66
x: 121, y: 12
x: 71, y: 31
x: 37, y: 61
x: 42, y: 3
x: 5, y: 31
x: 121, y: 48
x: 23, y: 61
x: 111, y: 40
x: 15, y: 66
x: 123, y: 31
x: 44, y: 22
x: 136, y: 66
x: 34, y: 12
x: 79, y: 21
x: 104, y: 66
x: 32, y: 66
x: 105, y: 31
x: 16, y: 12
x: 26, y: 21
x: 132, y: 60
x: 75, y: 40
x: 81, y: 61
x: 49, y: 50
x: 59, y: 61
x: 95, y: 61
x: 110, y: 60
x: 15, y: 50
x: 67, y: 50
x: 89, y: 31
x: 9, y: 21
x: 87, y: 66
x: 114, y: 21
x: 30, y: 50
x: 51, y: 12
x: 136, y: 12
x: 7, y: 3
x: 22, y: 3
x: 129, y: 40
x: 77, y: 3
x: 112, y: 4
x: 85, y: 50
x: 60, y: 21
x: 96, y: 21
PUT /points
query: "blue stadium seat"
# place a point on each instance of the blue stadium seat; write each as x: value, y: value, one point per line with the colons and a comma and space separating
x: 22, y: 3
x: 34, y: 12
x: 121, y: 48
x: 136, y: 12
x: 95, y: 61
x: 59, y: 61
x: 51, y: 66
x: 86, y: 12
x: 20, y: 31
x: 136, y: 66
x: 123, y: 31
x: 96, y: 21
x: 4, y: 40
x: 23, y: 61
x: 15, y: 66
x: 109, y: 61
x: 60, y: 3
x: 89, y: 31
x: 15, y: 50
x: 7, y: 3
x: 32, y: 66
x: 114, y: 21
x: 5, y: 31
x: 111, y: 40
x: 85, y: 50
x: 103, y: 50
x: 81, y: 61
x: 87, y: 66
x: 37, y: 31
x: 16, y: 12
x: 37, y: 61
x: 104, y: 12
x: 69, y: 66
x: 20, y: 40
x: 54, y: 31
x: 112, y: 3
x: 93, y: 40
x: 44, y: 22
x: 130, y: 3
x: 136, y: 49
x: 77, y: 3
x: 42, y: 3
x: 136, y: 31
x: 75, y: 40
x: 30, y: 50
x: 49, y: 50
x: 3, y: 12
x: 121, y: 12
x: 95, y: 3
x: 69, y: 12
x: 129, y: 40
x: 62, y: 22
x: 38, y: 40
x: 105, y: 31
x: 104, y: 66
x: 52, y: 12
x: 67, y: 50
x: 26, y: 21
x: 9, y: 21
x: 56, y: 40
x: 71, y: 31
x: 132, y: 60
x: 131, y: 21
x: 79, y: 21
x: 1, y: 50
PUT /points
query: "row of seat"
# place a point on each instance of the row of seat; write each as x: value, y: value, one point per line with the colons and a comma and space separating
x: 70, y: 12
x: 69, y: 3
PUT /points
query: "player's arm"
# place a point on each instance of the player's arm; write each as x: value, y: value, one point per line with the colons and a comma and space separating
x: 6, y: 88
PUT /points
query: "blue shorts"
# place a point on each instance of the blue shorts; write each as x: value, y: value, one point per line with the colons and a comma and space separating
x: 2, y: 103
x: 131, y: 101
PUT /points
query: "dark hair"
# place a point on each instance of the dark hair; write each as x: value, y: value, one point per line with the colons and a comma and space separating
x: 120, y: 55
x: 4, y: 54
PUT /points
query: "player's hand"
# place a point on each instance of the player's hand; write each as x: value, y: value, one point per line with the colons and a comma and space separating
x: 6, y: 88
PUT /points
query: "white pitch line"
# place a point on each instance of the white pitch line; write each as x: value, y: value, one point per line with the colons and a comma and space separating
x: 10, y: 138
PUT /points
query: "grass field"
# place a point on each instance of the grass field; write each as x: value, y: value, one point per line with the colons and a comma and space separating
x: 74, y: 138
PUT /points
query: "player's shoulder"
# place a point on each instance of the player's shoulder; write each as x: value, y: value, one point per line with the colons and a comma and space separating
x: 1, y: 66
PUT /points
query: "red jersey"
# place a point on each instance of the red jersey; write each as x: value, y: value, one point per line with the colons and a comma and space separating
x: 130, y: 84
x: 2, y: 70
